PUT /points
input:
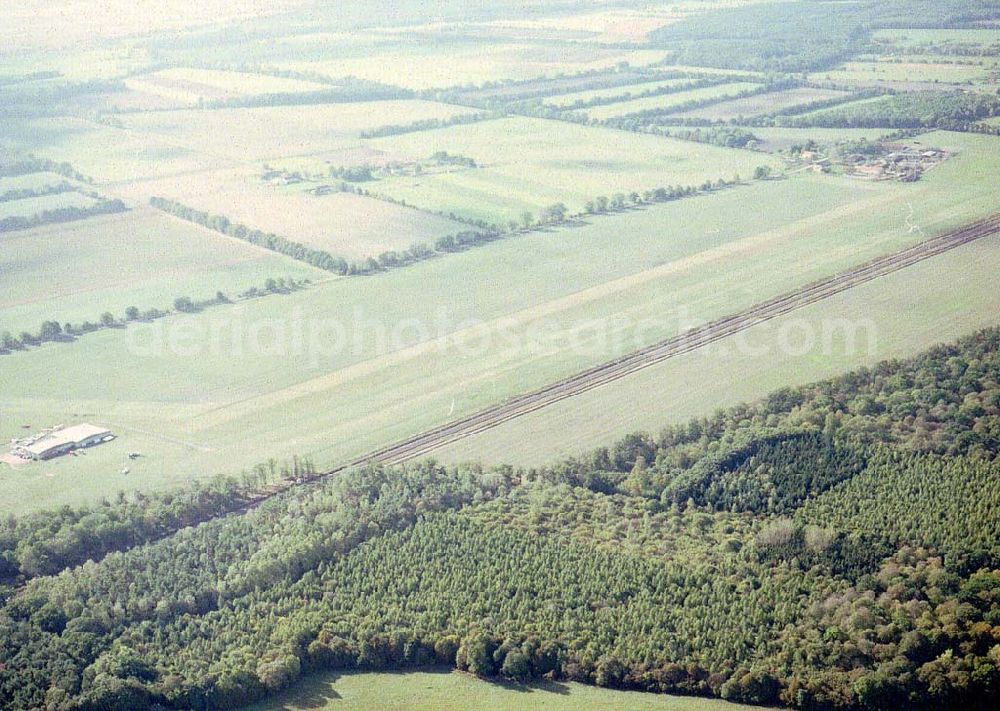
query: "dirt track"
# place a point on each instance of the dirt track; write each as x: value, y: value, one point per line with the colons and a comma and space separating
x: 591, y: 378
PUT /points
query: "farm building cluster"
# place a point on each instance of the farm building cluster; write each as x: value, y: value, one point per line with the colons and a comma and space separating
x: 890, y: 162
x: 902, y: 163
x: 59, y: 440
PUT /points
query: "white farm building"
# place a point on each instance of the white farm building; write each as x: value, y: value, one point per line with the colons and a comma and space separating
x: 60, y: 441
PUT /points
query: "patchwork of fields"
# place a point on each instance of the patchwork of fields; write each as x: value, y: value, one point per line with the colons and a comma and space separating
x: 567, y: 100
x: 413, y: 348
x: 528, y: 164
x: 341, y: 223
x: 254, y: 256
x: 426, y: 66
x: 189, y: 86
x: 668, y: 101
x: 769, y: 103
x: 141, y: 258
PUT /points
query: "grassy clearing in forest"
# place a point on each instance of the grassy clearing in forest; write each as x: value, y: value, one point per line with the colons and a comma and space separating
x: 443, y: 690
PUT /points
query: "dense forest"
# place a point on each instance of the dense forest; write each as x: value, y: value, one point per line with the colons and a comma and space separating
x: 833, y: 546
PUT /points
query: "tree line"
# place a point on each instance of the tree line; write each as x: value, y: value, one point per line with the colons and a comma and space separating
x: 22, y: 193
x: 44, y: 98
x: 336, y: 95
x: 482, y: 232
x: 51, y: 331
x: 428, y: 124
x: 8, y: 79
x: 61, y: 214
x: 321, y: 258
x: 695, y: 83
x: 724, y: 136
x: 633, y: 119
x: 23, y: 165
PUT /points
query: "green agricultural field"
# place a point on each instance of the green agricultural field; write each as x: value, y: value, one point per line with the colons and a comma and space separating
x: 844, y: 106
x: 171, y: 143
x: 454, y: 691
x: 140, y: 258
x: 456, y: 63
x: 762, y: 104
x: 190, y: 85
x: 528, y: 164
x: 404, y: 351
x: 624, y: 108
x: 899, y: 315
x: 567, y: 100
x: 103, y: 152
x: 777, y: 138
x: 612, y: 25
x: 344, y: 224
x: 867, y: 73
x: 280, y: 131
x: 26, y: 207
